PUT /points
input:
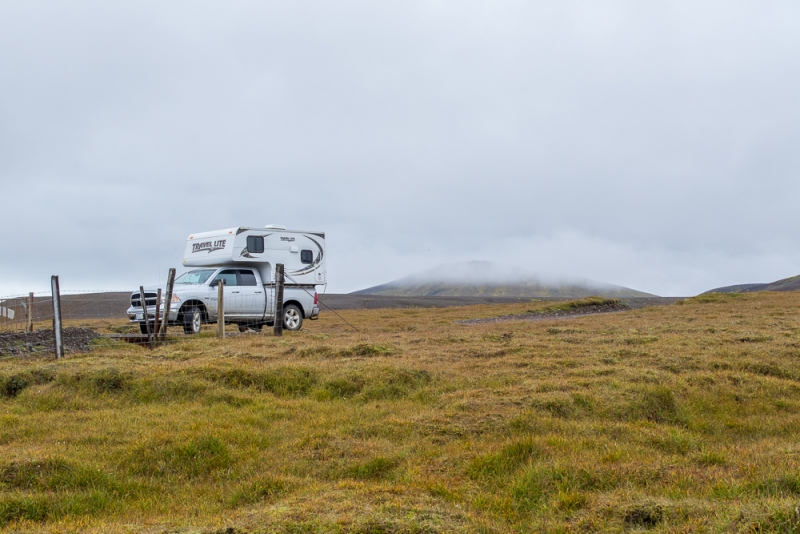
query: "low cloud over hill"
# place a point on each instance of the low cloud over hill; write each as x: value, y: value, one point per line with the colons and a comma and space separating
x: 483, y: 279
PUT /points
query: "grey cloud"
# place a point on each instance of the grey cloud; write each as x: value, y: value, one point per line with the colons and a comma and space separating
x: 413, y: 133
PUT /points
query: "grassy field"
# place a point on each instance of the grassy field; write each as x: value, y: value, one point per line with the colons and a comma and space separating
x: 681, y: 418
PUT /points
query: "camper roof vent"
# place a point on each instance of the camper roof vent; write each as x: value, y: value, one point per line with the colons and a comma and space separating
x: 275, y: 227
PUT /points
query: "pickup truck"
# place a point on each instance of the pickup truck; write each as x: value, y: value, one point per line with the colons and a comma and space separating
x: 248, y: 301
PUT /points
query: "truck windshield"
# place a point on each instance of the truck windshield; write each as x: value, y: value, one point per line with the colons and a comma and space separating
x: 198, y: 276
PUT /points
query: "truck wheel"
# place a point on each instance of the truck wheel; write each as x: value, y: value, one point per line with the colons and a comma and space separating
x: 192, y: 321
x: 143, y: 328
x: 292, y: 317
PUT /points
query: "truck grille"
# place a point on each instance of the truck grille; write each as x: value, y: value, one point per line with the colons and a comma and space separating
x: 150, y: 299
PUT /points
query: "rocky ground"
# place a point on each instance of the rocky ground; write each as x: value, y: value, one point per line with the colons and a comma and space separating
x: 41, y: 342
x: 542, y: 315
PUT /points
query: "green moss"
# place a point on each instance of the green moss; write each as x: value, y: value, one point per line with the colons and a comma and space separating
x: 575, y: 305
x: 715, y: 298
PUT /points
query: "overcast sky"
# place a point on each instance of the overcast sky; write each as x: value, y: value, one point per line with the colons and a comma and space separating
x: 654, y: 145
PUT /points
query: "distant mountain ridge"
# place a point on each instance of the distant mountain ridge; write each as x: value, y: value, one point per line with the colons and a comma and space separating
x: 484, y: 279
x: 787, y: 284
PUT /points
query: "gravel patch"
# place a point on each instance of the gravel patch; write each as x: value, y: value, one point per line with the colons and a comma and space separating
x: 545, y: 315
x: 41, y: 342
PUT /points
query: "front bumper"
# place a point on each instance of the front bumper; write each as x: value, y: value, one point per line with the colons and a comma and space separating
x: 136, y: 315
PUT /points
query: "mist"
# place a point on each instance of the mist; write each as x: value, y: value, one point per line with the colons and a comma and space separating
x: 646, y: 145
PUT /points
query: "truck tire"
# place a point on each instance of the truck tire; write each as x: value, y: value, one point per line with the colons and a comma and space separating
x: 292, y: 317
x: 192, y: 321
x: 143, y: 327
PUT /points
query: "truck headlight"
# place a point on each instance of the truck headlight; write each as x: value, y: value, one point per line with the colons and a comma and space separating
x: 175, y: 299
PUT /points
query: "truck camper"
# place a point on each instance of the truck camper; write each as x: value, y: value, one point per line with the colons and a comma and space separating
x: 243, y: 259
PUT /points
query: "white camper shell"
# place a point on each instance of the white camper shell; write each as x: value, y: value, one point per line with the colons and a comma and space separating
x: 302, y: 253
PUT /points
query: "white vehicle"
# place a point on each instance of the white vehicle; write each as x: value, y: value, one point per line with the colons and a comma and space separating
x: 244, y: 260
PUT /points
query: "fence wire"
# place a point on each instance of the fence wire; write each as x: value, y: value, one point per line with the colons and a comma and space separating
x: 17, y: 311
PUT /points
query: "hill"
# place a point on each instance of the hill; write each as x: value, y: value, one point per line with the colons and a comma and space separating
x: 787, y: 284
x: 485, y: 279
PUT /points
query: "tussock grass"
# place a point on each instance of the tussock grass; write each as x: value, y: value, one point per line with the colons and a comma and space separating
x: 364, y: 350
x: 96, y: 381
x: 167, y: 456
x: 287, y: 380
x: 262, y: 489
x: 680, y: 418
x: 715, y: 298
x: 53, y: 507
x: 13, y: 384
x: 581, y: 304
x: 373, y: 384
x: 375, y: 468
x: 52, y: 488
x: 656, y: 404
x: 52, y: 474
x: 507, y: 460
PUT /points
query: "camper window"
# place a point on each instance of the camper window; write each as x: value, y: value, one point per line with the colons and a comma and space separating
x: 229, y: 275
x: 255, y: 244
x: 198, y: 276
x: 306, y: 256
x: 247, y: 278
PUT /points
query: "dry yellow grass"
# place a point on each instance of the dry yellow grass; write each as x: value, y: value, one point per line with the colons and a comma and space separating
x: 682, y: 418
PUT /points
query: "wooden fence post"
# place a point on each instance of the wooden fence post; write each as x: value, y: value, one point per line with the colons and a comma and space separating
x: 279, y: 281
x: 145, y: 317
x: 167, y: 302
x: 58, y: 334
x: 29, y: 327
x: 221, y: 308
x: 157, y: 322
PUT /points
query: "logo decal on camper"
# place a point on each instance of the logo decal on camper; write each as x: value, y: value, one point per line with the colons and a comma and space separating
x: 317, y: 260
x: 208, y: 246
x: 287, y: 239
